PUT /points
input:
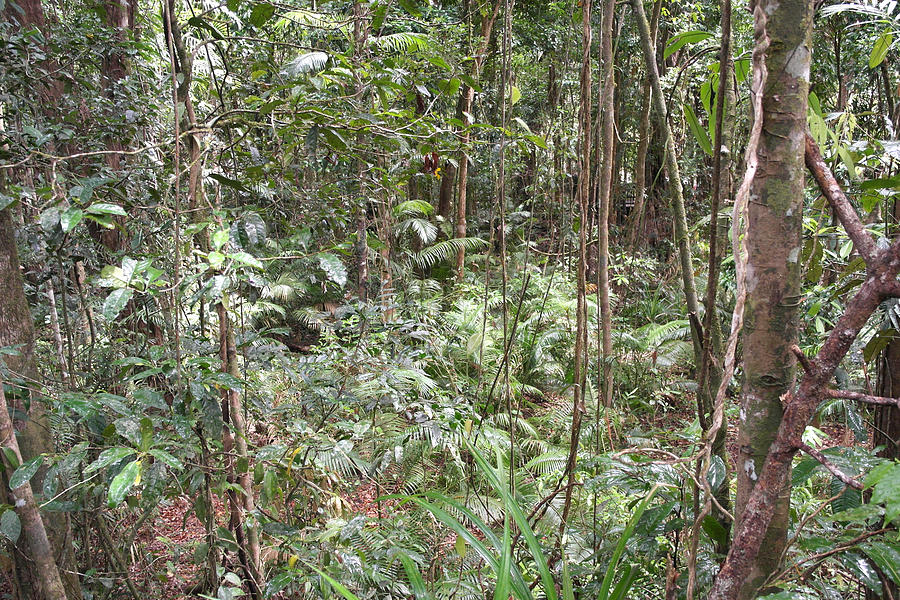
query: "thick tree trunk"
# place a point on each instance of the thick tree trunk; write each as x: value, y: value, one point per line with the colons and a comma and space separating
x: 886, y: 424
x: 445, y: 197
x: 774, y: 229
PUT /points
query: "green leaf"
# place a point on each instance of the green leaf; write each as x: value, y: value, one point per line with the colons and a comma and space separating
x: 261, y: 13
x: 165, y: 457
x: 716, y: 474
x: 115, y: 302
x: 862, y: 569
x: 246, y: 259
x: 24, y: 473
x: 623, y: 539
x: 687, y: 37
x: 886, y: 557
x: 848, y: 161
x: 420, y: 592
x: 886, y: 490
x: 698, y: 130
x: 10, y: 526
x: 104, y: 208
x: 123, y: 482
x: 6, y: 200
x: 343, y: 591
x: 521, y: 520
x: 216, y: 259
x: 880, y: 49
x: 108, y: 457
x: 334, y: 268
x: 714, y: 530
x: 501, y: 591
x: 514, y: 95
x: 219, y: 238
x: 70, y: 218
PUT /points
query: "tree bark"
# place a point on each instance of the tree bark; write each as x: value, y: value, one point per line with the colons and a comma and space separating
x: 675, y: 187
x: 882, y: 267
x: 584, y: 192
x: 45, y: 572
x: 607, y: 141
x: 467, y: 102
x: 235, y: 440
x: 710, y: 370
x: 640, y: 161
x: 774, y: 233
x: 17, y: 329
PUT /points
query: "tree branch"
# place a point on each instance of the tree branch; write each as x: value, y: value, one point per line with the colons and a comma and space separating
x: 891, y: 289
x: 843, y: 477
x: 848, y: 395
x: 844, y: 211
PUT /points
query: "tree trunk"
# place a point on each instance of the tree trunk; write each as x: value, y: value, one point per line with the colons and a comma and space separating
x: 773, y: 269
x: 675, y: 188
x: 49, y: 585
x: 886, y: 424
x: 640, y: 161
x: 710, y: 371
x: 607, y: 141
x: 445, y: 197
x: 467, y: 101
x: 17, y: 329
x: 584, y: 192
x: 235, y: 440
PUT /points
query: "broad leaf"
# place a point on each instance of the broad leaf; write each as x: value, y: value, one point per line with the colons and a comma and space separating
x: 24, y: 473
x: 123, y: 482
x: 115, y: 302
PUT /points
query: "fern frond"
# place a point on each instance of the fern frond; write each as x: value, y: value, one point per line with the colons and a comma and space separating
x: 447, y: 249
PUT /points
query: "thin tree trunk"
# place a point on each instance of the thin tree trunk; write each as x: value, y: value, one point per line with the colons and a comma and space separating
x: 710, y: 371
x: 607, y: 141
x: 640, y: 161
x: 467, y: 103
x: 235, y: 439
x: 45, y: 571
x: 57, y: 335
x: 584, y: 192
x: 675, y: 188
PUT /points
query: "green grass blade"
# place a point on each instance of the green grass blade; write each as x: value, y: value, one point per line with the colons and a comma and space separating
x: 521, y: 521
x: 620, y: 547
x: 415, y: 578
x: 501, y: 592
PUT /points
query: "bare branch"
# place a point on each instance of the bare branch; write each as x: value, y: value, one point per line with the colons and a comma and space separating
x: 845, y: 212
x: 881, y: 400
x: 843, y: 477
x: 802, y: 358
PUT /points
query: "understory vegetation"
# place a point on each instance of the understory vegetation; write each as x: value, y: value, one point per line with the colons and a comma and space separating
x: 428, y: 300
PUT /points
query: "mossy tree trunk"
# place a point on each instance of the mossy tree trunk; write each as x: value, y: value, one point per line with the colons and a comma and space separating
x: 774, y: 228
